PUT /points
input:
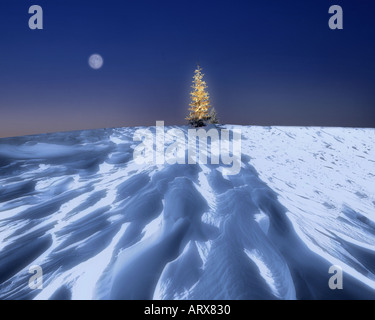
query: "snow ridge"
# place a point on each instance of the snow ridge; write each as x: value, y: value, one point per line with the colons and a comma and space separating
x: 103, y: 227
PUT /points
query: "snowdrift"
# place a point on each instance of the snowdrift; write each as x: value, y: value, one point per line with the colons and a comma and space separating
x: 103, y: 227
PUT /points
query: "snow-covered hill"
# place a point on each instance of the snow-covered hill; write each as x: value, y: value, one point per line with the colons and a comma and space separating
x: 103, y: 227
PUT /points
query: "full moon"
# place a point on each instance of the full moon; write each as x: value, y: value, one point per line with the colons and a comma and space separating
x: 96, y: 61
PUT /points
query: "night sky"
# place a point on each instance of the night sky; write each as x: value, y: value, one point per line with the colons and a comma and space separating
x: 272, y: 62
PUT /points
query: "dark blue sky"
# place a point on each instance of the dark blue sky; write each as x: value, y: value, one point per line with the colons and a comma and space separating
x: 266, y: 62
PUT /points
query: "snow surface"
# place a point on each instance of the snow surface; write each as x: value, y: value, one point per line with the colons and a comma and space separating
x: 103, y: 227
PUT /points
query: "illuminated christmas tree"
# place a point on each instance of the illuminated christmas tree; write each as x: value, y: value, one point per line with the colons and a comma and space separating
x: 200, y: 101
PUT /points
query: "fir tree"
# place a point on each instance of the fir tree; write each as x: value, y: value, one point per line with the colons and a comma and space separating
x: 213, y: 117
x: 200, y: 101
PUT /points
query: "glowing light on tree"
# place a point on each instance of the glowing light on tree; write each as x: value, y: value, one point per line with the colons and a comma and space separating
x: 200, y: 101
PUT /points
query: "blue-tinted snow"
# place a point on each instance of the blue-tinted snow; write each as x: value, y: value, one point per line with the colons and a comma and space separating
x: 103, y: 227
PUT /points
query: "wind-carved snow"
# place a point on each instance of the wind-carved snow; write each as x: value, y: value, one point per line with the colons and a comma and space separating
x: 265, y: 272
x: 103, y: 227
